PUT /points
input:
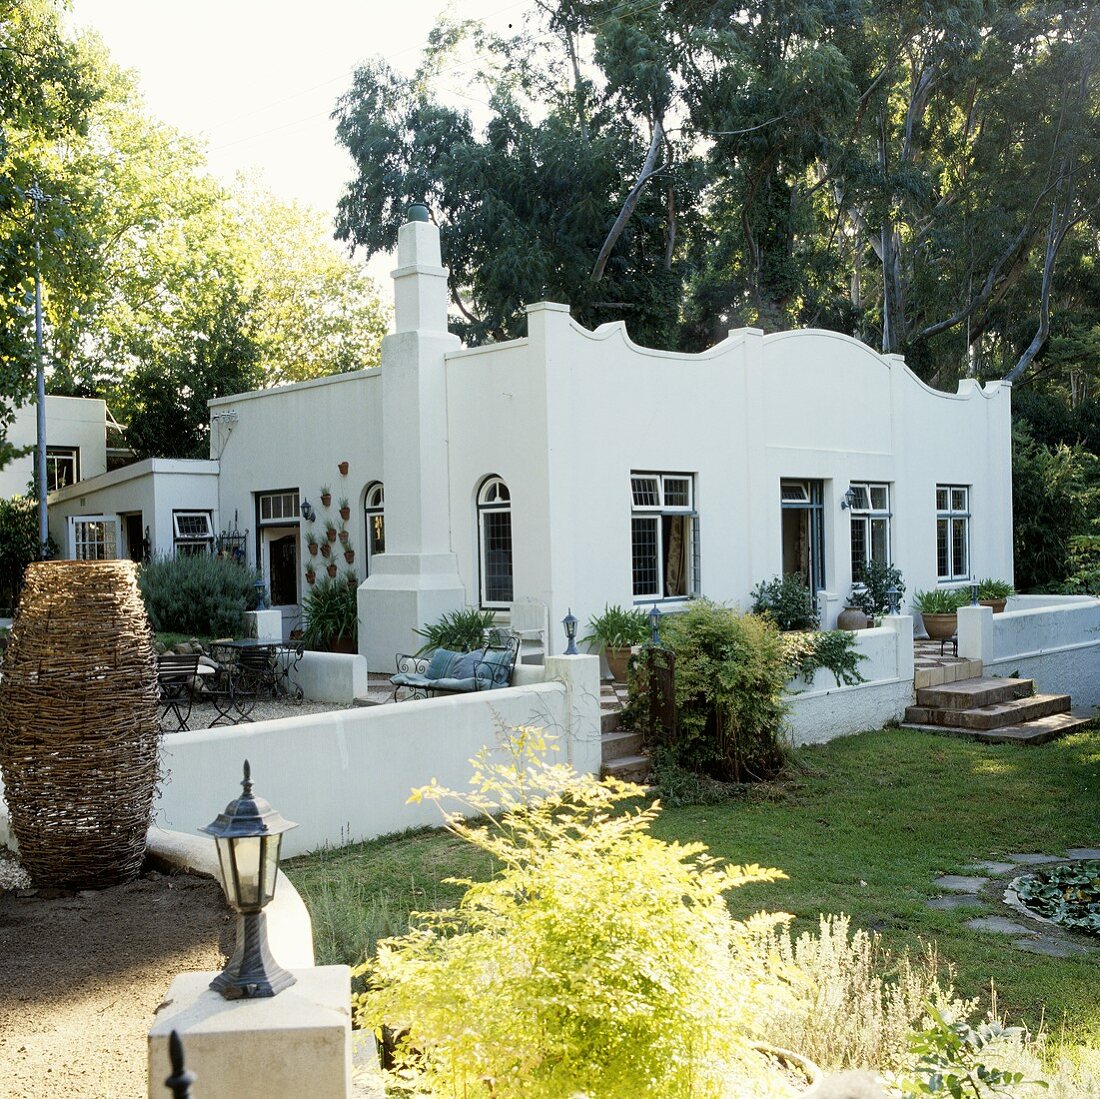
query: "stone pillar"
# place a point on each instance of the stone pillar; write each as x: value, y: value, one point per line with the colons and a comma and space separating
x: 975, y: 633
x: 416, y: 579
x: 581, y: 676
x: 902, y: 625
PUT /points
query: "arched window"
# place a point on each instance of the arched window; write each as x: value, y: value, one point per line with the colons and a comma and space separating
x: 374, y: 516
x: 494, y: 514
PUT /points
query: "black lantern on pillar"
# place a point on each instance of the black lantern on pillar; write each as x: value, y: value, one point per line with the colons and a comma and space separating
x: 570, y: 624
x: 248, y: 835
x: 655, y: 625
x: 974, y: 594
x: 893, y: 597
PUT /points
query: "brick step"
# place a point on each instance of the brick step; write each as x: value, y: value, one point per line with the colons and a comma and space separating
x: 1039, y: 731
x: 621, y: 743
x: 965, y: 694
x: 996, y: 716
x: 627, y: 768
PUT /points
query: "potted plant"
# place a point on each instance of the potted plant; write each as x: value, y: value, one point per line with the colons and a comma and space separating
x: 330, y: 530
x: 311, y: 542
x: 331, y: 617
x: 876, y: 579
x: 326, y: 549
x: 349, y: 555
x: 854, y: 617
x: 351, y: 578
x: 311, y: 573
x: 344, y: 536
x: 343, y: 468
x: 614, y: 633
x: 326, y: 496
x: 332, y: 570
x: 994, y: 593
x: 345, y: 509
x: 939, y: 610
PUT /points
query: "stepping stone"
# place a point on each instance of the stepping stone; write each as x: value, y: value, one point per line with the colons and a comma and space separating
x: 1052, y: 948
x: 988, y: 866
x: 1083, y: 853
x: 998, y: 925
x: 956, y: 883
x: 1033, y: 859
x: 956, y: 900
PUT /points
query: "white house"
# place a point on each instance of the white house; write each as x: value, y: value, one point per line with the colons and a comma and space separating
x: 572, y: 468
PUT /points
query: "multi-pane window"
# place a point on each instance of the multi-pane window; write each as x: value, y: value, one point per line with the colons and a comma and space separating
x: 952, y: 532
x: 375, y: 516
x: 494, y: 512
x: 279, y: 507
x: 193, y: 532
x: 870, y: 511
x: 664, y: 536
x: 94, y: 538
x: 62, y: 466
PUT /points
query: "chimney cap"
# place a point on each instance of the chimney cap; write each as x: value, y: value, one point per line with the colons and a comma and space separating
x: 418, y: 211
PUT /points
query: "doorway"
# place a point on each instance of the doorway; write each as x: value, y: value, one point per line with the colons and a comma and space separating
x: 803, y: 532
x: 282, y: 563
x: 136, y: 548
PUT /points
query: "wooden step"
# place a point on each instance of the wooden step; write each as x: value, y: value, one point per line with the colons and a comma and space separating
x: 1039, y: 731
x: 995, y: 716
x: 627, y: 768
x: 622, y: 743
x: 965, y: 694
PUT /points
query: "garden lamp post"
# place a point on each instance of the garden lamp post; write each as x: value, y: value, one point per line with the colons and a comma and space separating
x: 974, y: 594
x: 893, y: 597
x: 655, y: 625
x: 248, y: 835
x: 570, y: 624
x: 39, y: 198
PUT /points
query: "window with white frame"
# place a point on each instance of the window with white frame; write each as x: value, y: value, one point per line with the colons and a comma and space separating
x: 62, y: 466
x: 193, y: 532
x: 664, y: 536
x: 93, y: 537
x: 494, y: 514
x: 374, y: 513
x: 870, y: 511
x: 279, y: 507
x: 953, y: 532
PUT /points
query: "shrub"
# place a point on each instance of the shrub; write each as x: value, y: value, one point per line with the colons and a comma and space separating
x: 617, y: 628
x: 940, y: 600
x: 731, y: 670
x: 197, y: 594
x: 461, y: 631
x: 598, y: 960
x: 330, y: 611
x: 786, y: 601
x: 1083, y: 566
x: 18, y: 547
x: 877, y: 579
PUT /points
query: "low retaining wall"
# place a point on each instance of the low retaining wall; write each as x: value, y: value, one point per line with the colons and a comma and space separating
x: 331, y: 677
x: 345, y: 776
x: 1054, y: 640
x: 821, y: 710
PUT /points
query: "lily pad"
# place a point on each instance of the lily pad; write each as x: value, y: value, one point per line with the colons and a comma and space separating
x: 1068, y: 894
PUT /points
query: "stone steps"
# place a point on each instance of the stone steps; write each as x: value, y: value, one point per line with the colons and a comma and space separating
x: 993, y: 710
x: 627, y: 768
x: 623, y: 753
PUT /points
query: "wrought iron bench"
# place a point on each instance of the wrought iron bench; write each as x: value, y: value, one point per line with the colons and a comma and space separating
x: 445, y: 672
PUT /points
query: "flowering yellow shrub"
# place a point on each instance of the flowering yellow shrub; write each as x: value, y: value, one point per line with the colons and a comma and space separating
x: 599, y: 960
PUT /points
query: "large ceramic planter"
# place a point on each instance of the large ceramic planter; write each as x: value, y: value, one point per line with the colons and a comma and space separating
x: 940, y: 626
x: 617, y: 663
x: 852, y: 618
x: 998, y: 605
x: 79, y: 725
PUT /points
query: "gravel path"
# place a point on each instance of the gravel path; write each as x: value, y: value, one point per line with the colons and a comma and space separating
x: 203, y: 714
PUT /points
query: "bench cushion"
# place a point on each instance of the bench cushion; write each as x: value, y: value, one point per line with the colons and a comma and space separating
x: 410, y: 679
x: 440, y: 664
x: 496, y: 668
x: 467, y: 684
x: 462, y: 667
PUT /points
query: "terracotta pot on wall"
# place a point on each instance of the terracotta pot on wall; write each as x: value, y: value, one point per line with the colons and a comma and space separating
x: 310, y: 576
x: 617, y: 661
x: 326, y: 499
x: 332, y: 570
x: 325, y: 549
x: 331, y: 534
x: 345, y: 514
x: 940, y: 626
x: 998, y: 605
x: 343, y: 468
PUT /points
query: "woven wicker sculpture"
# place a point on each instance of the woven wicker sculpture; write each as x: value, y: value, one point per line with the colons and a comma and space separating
x: 79, y: 729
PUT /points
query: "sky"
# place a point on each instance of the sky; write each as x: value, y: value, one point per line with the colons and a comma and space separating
x: 259, y: 78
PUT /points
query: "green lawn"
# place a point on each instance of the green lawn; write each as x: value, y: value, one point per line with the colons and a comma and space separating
x: 861, y: 825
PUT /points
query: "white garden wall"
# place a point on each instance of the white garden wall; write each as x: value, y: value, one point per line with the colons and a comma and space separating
x: 821, y: 710
x: 345, y: 776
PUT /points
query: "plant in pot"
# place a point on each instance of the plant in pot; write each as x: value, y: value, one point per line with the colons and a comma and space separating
x: 349, y: 555
x: 326, y: 496
x: 311, y: 542
x: 876, y: 580
x: 461, y: 631
x: 345, y: 509
x: 614, y: 633
x: 939, y: 610
x: 311, y: 573
x: 330, y: 530
x: 332, y: 570
x: 344, y: 535
x: 326, y: 549
x: 331, y: 617
x: 351, y: 578
x: 994, y: 593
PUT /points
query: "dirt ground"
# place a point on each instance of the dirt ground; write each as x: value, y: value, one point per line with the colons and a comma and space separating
x: 81, y: 976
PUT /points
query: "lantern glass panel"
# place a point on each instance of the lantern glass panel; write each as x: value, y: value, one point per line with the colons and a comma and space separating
x: 270, y: 866
x: 229, y: 878
x: 247, y: 852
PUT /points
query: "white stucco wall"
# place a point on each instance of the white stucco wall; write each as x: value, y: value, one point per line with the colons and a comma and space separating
x: 154, y: 487
x: 70, y: 422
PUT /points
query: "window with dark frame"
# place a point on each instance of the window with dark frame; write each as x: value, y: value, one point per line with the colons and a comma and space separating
x: 494, y: 506
x: 953, y: 532
x: 374, y: 515
x: 62, y: 466
x: 664, y: 536
x: 193, y: 532
x: 870, y: 519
